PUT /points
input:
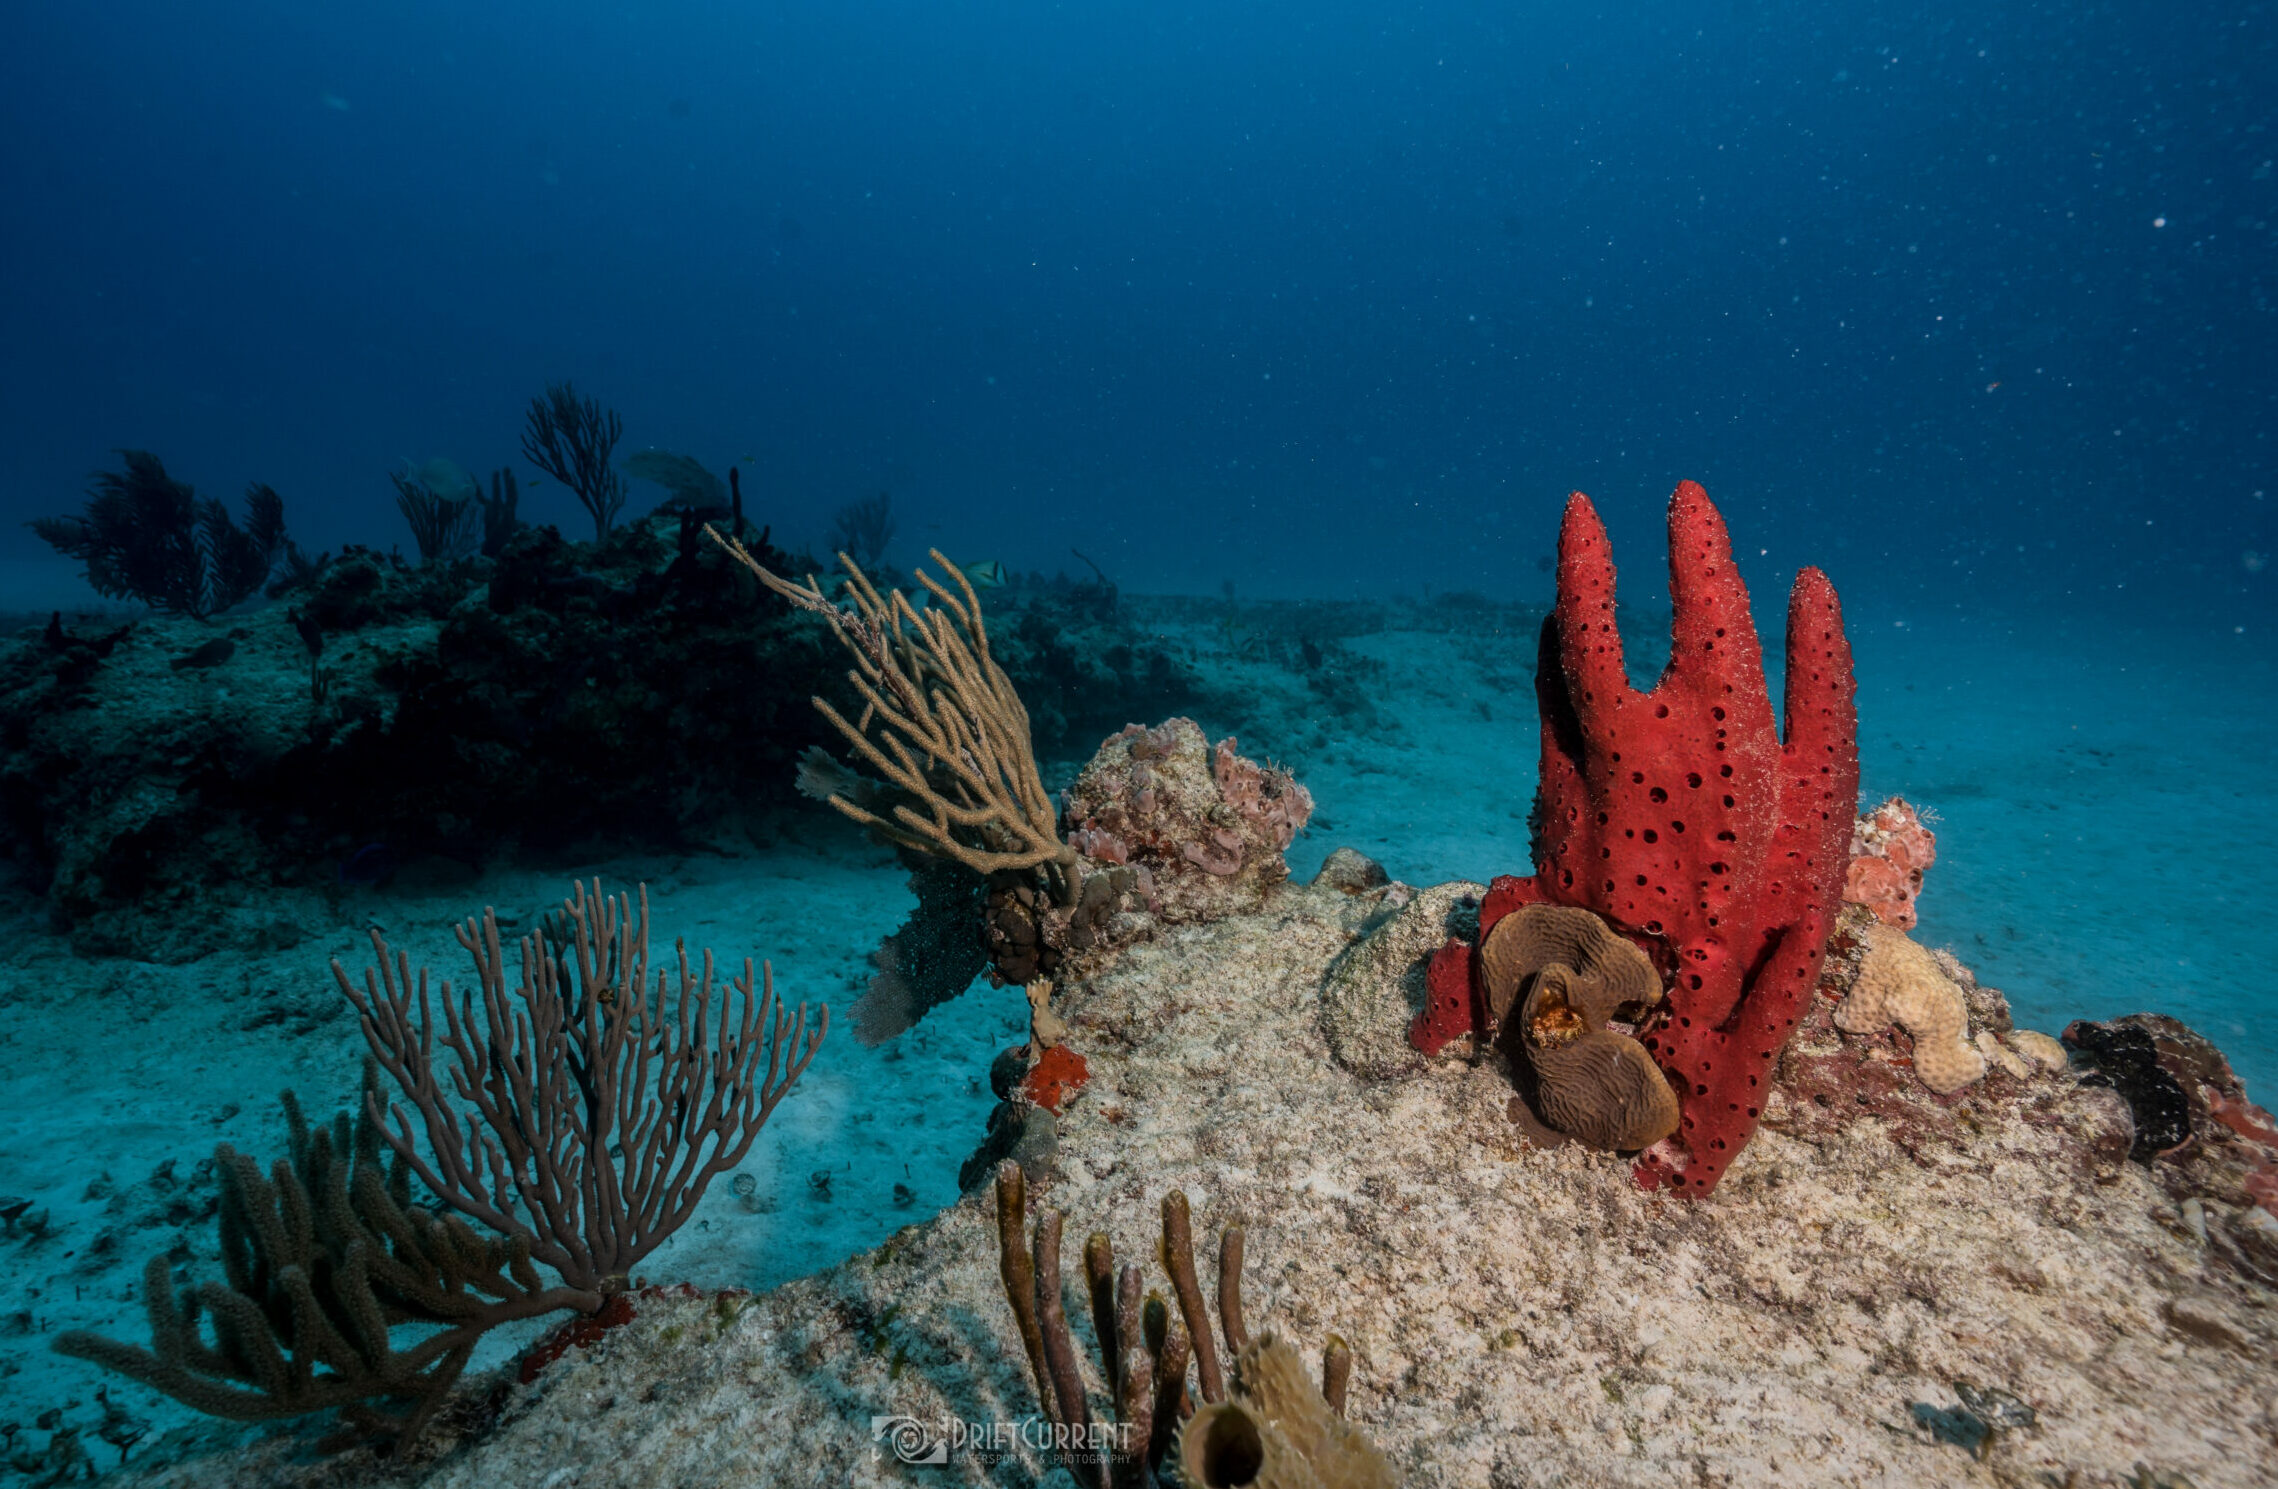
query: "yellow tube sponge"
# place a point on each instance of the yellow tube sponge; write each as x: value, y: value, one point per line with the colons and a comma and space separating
x: 1900, y: 983
x: 1276, y: 1431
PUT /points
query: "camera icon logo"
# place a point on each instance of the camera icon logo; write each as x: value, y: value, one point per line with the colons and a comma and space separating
x: 911, y: 1441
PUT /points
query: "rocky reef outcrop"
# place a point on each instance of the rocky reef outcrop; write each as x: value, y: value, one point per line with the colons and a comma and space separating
x: 1888, y: 1286
x: 175, y: 785
x: 172, y: 785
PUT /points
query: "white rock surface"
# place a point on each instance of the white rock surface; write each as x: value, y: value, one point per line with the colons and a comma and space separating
x: 1375, y: 987
x: 1519, y: 1317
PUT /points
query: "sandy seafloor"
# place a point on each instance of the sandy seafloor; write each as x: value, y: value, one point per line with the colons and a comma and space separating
x: 2102, y: 801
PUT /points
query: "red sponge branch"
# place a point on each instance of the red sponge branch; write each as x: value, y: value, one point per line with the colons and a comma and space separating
x: 1680, y: 816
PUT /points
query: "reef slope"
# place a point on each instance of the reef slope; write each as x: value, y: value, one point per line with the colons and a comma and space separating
x: 1520, y: 1316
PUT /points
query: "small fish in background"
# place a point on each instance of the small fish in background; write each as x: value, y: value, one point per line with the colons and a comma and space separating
x: 370, y: 866
x: 987, y: 574
x: 1545, y: 564
x: 334, y: 102
x: 212, y: 654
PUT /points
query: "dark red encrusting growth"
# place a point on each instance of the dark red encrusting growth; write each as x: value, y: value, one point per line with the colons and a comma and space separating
x: 1505, y: 894
x: 575, y: 1333
x: 1679, y: 816
x: 1452, y: 1007
x: 1454, y: 1003
x: 1057, y: 1075
x: 586, y: 1329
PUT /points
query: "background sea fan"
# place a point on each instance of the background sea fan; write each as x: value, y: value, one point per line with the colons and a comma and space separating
x: 862, y: 529
x: 439, y: 503
x: 145, y: 536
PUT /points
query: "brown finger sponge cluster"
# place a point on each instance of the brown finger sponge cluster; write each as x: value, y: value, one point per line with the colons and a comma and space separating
x: 1901, y: 983
x: 1275, y: 1430
x: 1571, y: 975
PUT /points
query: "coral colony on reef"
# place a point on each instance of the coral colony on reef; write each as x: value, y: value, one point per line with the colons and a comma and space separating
x: 1712, y: 949
x: 1891, y: 850
x: 602, y: 1106
x: 1682, y: 819
x: 1163, y: 829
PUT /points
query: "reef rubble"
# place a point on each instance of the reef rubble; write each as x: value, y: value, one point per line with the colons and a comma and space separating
x: 1980, y: 1288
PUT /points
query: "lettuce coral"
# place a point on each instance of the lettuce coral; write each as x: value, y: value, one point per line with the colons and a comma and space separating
x: 1576, y: 975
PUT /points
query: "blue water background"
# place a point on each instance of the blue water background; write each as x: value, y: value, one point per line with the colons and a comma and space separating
x: 1322, y: 298
x: 1971, y: 305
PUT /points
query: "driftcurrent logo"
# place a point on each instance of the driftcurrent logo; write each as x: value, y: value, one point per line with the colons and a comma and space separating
x: 909, y: 1440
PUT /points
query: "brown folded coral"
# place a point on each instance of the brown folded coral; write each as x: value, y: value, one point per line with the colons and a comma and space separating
x: 1576, y: 976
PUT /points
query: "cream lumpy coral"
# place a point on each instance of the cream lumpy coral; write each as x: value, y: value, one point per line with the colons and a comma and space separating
x: 1901, y: 983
